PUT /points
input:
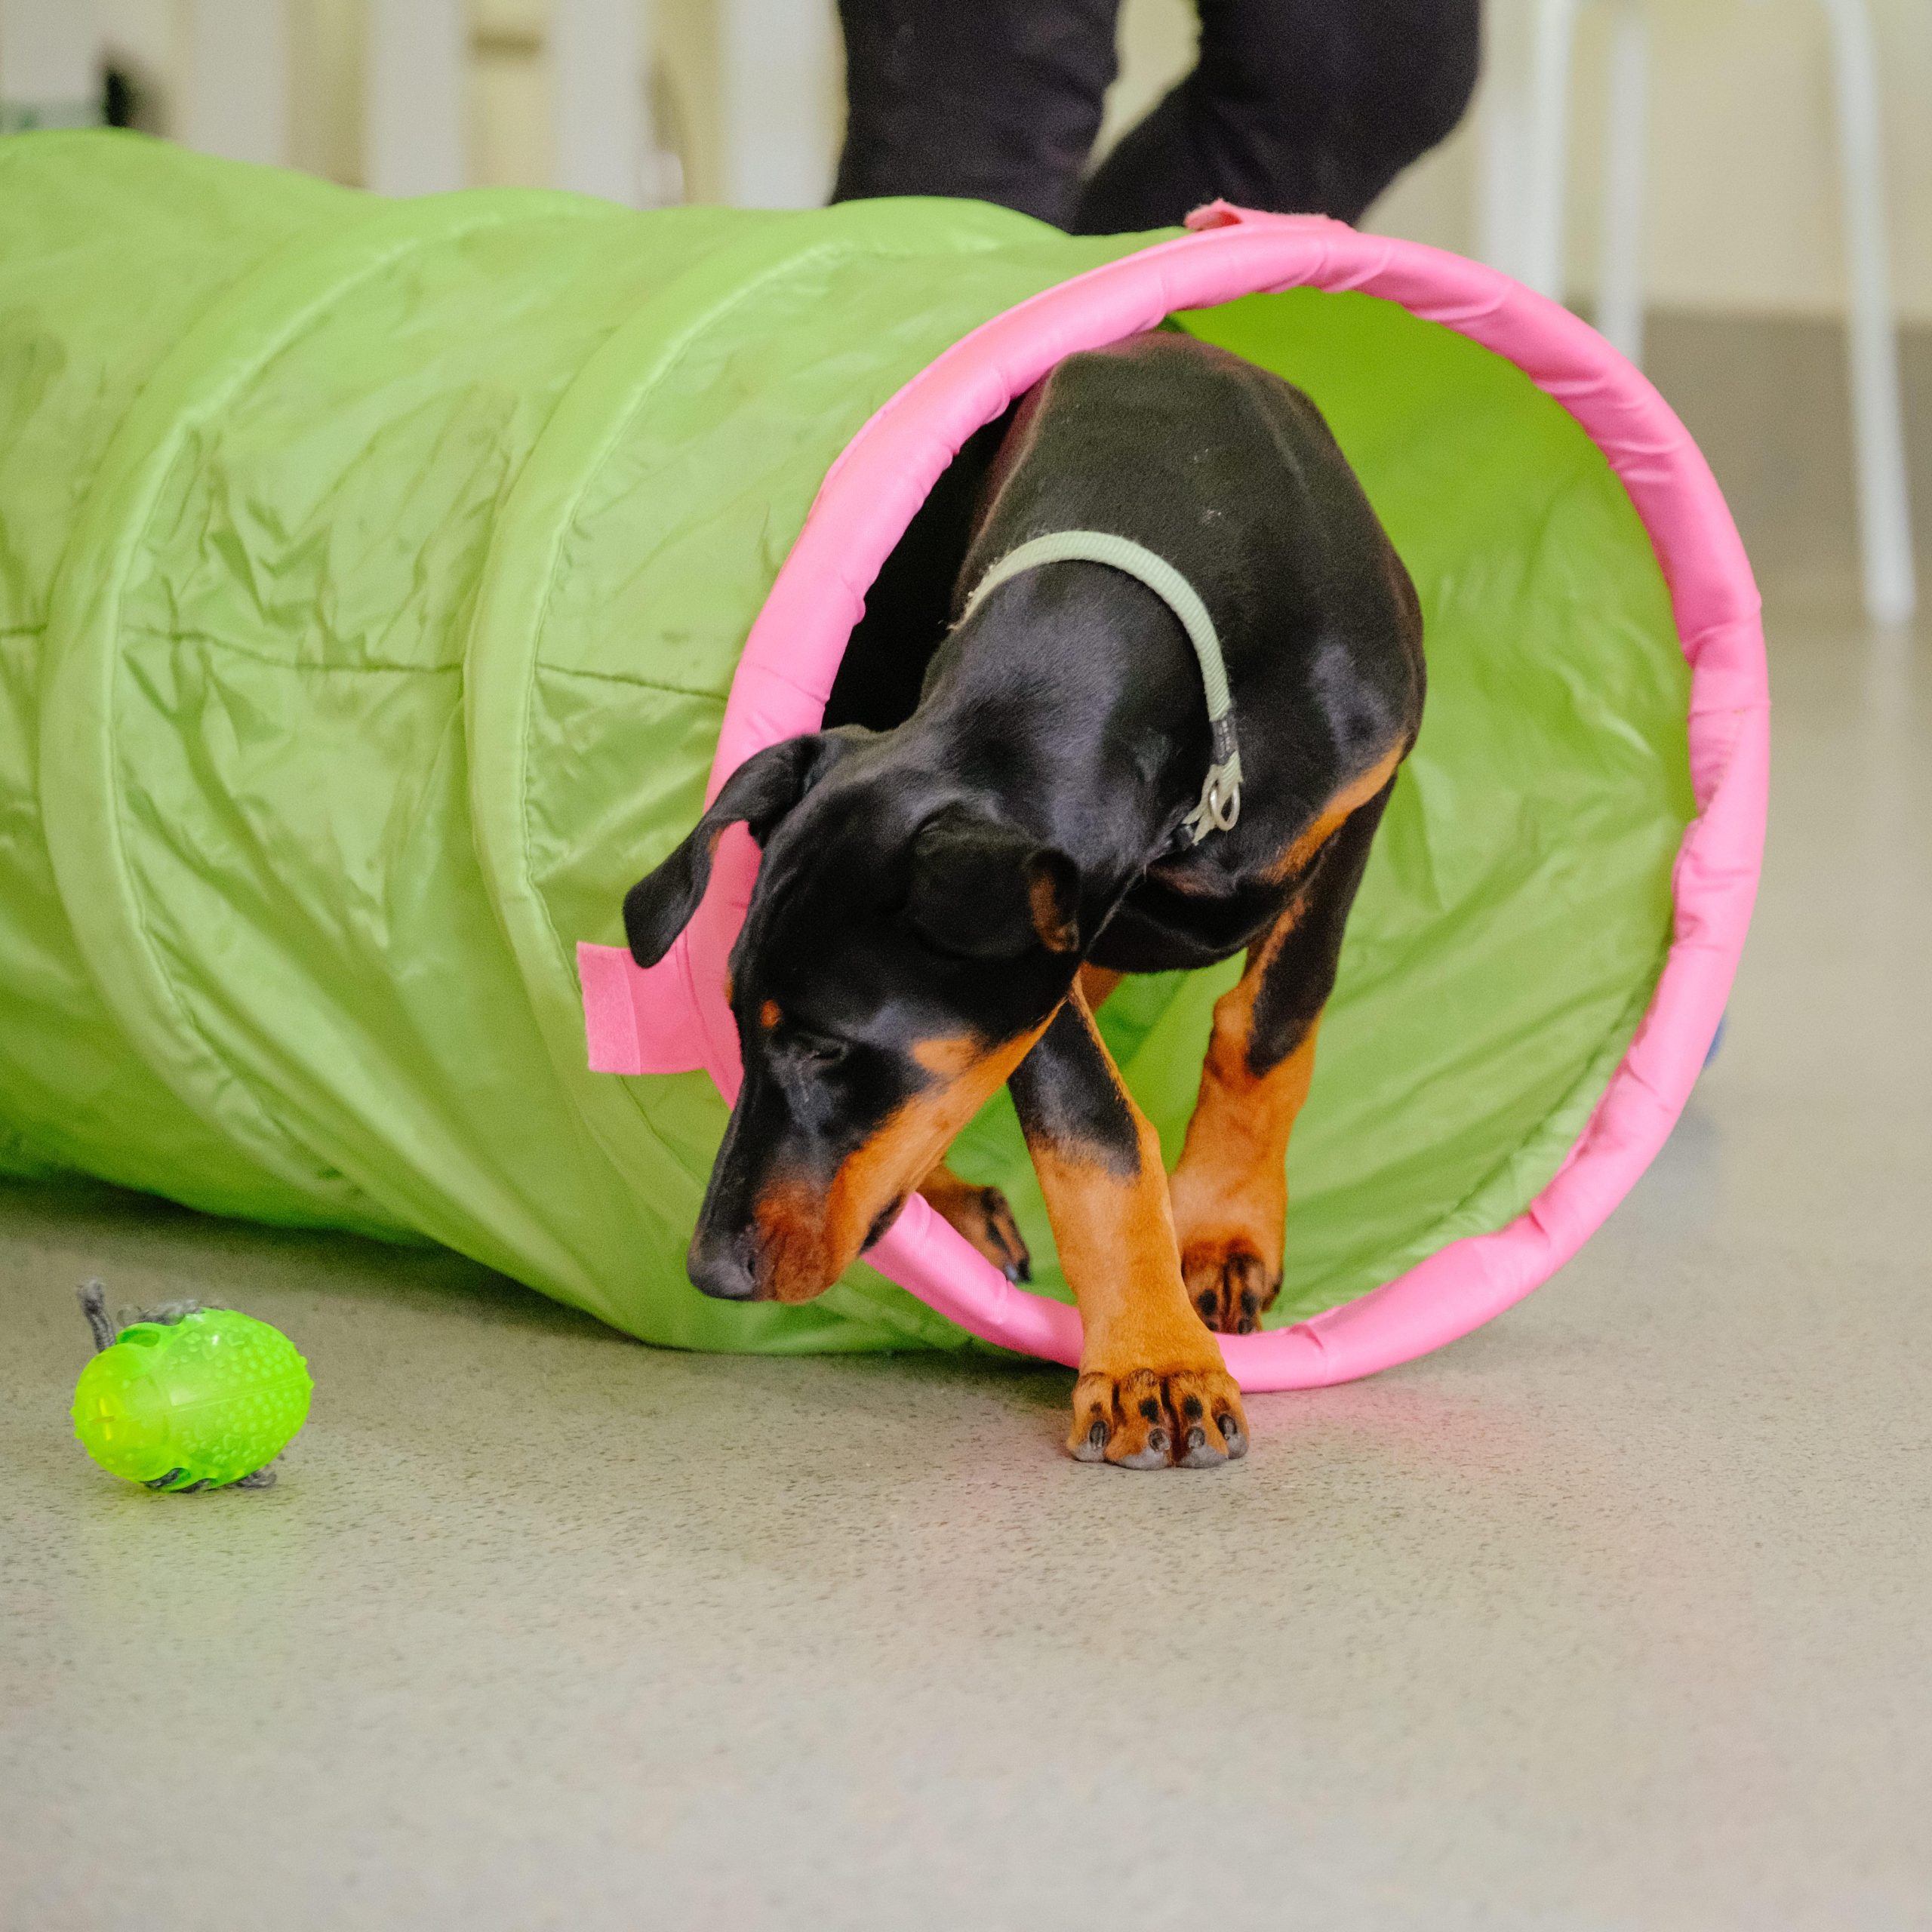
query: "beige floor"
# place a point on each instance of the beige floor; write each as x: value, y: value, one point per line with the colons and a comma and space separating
x: 1618, y: 1614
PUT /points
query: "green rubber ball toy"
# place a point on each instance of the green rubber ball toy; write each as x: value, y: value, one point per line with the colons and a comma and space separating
x: 190, y: 1398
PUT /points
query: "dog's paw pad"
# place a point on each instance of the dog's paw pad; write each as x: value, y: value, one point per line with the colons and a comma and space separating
x: 1229, y: 1284
x: 1149, y: 1418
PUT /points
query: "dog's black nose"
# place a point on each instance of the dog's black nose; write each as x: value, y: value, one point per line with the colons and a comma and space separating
x: 724, y: 1265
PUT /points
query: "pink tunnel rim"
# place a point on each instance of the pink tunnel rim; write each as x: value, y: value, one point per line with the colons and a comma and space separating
x: 869, y: 497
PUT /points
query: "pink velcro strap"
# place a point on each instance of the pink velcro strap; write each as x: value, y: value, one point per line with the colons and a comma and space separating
x: 1214, y: 214
x: 637, y: 1020
x: 1211, y: 215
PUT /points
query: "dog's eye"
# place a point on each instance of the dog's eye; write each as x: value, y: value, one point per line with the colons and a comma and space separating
x: 816, y: 1051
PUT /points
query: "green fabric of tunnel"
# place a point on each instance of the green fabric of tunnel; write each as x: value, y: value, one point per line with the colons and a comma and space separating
x: 322, y: 516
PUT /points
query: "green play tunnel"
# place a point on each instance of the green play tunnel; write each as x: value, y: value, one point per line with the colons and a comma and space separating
x: 330, y: 527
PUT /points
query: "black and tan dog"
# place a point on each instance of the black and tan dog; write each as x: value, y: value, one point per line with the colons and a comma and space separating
x: 994, y: 827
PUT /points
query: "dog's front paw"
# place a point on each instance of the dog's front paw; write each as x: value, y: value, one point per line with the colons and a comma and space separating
x: 981, y: 1215
x: 1149, y: 1419
x: 1230, y: 1282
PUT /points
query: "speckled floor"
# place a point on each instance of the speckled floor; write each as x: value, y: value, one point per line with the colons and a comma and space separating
x: 1618, y: 1614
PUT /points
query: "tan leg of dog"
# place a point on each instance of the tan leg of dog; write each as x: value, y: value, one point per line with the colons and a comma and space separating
x: 981, y: 1214
x: 1152, y: 1389
x: 1230, y: 1187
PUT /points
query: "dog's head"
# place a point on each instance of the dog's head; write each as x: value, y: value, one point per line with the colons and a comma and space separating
x: 903, y: 949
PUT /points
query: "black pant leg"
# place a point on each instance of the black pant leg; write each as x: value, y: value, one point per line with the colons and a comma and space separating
x: 1303, y: 106
x: 999, y: 99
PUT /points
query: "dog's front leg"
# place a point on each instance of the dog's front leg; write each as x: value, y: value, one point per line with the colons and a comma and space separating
x: 1230, y: 1188
x: 1152, y: 1388
x: 982, y: 1215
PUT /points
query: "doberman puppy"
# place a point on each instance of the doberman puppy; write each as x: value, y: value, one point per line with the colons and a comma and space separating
x: 992, y: 827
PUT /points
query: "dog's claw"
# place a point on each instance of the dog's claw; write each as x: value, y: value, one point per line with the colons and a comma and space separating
x: 1153, y: 1455
x: 1233, y: 1436
x: 1201, y: 1453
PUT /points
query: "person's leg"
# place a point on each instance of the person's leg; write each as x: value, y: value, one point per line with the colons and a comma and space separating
x: 998, y: 100
x: 1303, y: 106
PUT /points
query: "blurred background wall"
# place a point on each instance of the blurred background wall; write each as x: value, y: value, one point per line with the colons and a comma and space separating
x: 741, y: 100
x: 1743, y: 211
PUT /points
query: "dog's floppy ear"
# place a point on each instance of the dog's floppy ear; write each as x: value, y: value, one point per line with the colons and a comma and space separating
x: 981, y: 890
x: 760, y: 792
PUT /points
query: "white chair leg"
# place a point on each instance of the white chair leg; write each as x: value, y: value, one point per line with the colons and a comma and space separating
x: 1499, y: 179
x: 599, y: 107
x: 50, y: 64
x: 1554, y: 47
x: 1877, y: 415
x: 1503, y: 114
x: 417, y: 53
x: 236, y: 80
x: 779, y: 59
x: 1620, y: 270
